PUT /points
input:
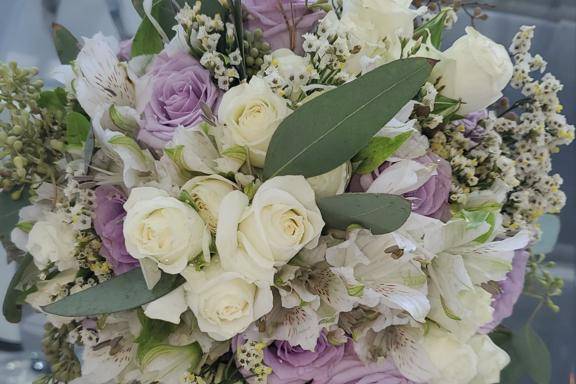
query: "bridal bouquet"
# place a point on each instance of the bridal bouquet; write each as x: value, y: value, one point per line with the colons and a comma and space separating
x: 281, y: 192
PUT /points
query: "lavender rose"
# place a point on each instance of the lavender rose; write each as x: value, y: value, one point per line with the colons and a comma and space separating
x: 350, y: 370
x: 431, y: 199
x: 510, y: 291
x: 179, y: 87
x: 294, y: 365
x: 277, y: 18
x: 108, y: 223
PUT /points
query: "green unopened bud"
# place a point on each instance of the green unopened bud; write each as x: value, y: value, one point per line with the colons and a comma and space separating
x: 19, y: 162
x: 258, y: 34
x: 21, y: 173
x: 17, y: 145
x: 57, y: 145
x: 10, y: 140
x: 17, y: 130
x: 3, y: 137
x: 249, y: 61
x: 254, y: 52
x: 38, y: 83
x: 259, y: 62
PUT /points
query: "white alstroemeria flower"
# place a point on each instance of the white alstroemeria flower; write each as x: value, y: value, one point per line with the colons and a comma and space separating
x: 404, y: 345
x: 381, y: 272
x: 299, y: 325
x: 458, y: 261
x: 402, y: 176
x: 311, y: 280
x: 169, y: 364
x: 100, y: 77
x: 192, y: 150
x: 491, y: 360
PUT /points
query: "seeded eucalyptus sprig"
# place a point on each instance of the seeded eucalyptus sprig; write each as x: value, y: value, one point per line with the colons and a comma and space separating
x: 33, y: 120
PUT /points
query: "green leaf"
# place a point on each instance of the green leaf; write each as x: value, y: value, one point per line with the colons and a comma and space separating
x: 534, y: 354
x: 445, y: 106
x: 433, y: 28
x: 330, y: 129
x: 239, y: 28
x: 528, y: 353
x: 139, y: 7
x: 77, y: 128
x: 153, y: 332
x: 67, y: 46
x: 9, y: 210
x: 377, y: 212
x: 12, y: 307
x: 147, y: 41
x: 121, y: 293
x: 54, y: 100
x: 379, y: 150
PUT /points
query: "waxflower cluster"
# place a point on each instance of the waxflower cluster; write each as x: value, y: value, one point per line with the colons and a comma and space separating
x: 161, y: 234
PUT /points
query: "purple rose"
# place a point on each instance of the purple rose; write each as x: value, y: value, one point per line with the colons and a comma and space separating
x: 294, y: 365
x: 472, y: 130
x: 179, y: 87
x: 108, y: 222
x: 277, y: 18
x: 350, y: 370
x: 431, y: 199
x: 510, y: 291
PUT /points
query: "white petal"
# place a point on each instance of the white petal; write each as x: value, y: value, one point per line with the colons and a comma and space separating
x: 168, y: 307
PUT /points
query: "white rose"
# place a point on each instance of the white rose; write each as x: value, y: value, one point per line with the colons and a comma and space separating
x: 455, y: 362
x: 282, y: 219
x: 331, y: 183
x: 251, y: 113
x: 162, y: 229
x: 207, y: 193
x: 378, y: 25
x: 475, y: 70
x: 52, y: 241
x: 225, y: 303
x: 491, y: 360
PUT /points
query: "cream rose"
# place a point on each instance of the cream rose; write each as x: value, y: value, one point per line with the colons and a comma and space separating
x: 455, y: 362
x: 225, y: 303
x: 162, y: 229
x: 475, y: 70
x: 52, y: 241
x: 282, y: 219
x: 331, y: 183
x: 207, y: 193
x: 491, y: 360
x: 251, y: 113
x: 378, y: 26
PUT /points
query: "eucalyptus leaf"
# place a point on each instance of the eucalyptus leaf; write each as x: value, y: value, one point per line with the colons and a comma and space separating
x: 333, y: 127
x: 380, y: 213
x: 121, y: 293
x: 67, y: 46
x: 379, y: 150
x: 9, y: 210
x: 550, y: 226
x: 12, y: 307
x: 514, y: 371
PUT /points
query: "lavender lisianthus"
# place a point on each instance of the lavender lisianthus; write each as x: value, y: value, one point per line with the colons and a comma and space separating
x: 430, y: 199
x: 510, y: 291
x: 472, y: 129
x: 125, y: 50
x: 282, y: 21
x: 179, y: 86
x: 108, y: 221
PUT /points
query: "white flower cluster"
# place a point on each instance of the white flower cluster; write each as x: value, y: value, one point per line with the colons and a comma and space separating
x: 205, y: 33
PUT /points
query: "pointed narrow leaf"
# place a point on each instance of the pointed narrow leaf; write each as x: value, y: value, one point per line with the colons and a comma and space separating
x: 330, y: 129
x: 67, y: 46
x: 433, y: 28
x: 121, y: 293
x: 9, y: 210
x: 378, y: 150
x: 11, y: 308
x: 239, y: 27
x: 377, y: 212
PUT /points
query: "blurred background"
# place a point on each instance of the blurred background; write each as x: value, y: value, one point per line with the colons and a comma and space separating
x: 25, y: 37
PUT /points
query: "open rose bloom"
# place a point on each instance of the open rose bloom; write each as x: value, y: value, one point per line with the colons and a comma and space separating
x: 280, y: 192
